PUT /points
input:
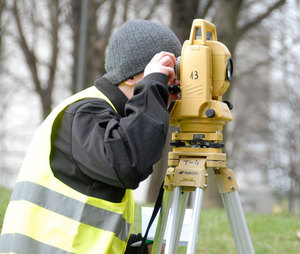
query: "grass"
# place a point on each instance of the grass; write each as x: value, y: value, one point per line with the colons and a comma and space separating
x: 270, y: 234
x: 4, y: 199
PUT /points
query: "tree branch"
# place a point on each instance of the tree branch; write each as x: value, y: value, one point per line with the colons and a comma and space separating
x: 29, y: 54
x: 54, y: 19
x: 152, y: 9
x: 125, y: 11
x: 206, y: 9
x: 111, y: 15
x: 254, y: 67
x: 241, y: 31
x: 2, y: 6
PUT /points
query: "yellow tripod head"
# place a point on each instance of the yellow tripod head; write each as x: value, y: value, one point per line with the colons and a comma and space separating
x: 205, y: 71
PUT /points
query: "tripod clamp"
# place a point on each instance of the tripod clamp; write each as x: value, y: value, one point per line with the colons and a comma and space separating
x: 189, y: 171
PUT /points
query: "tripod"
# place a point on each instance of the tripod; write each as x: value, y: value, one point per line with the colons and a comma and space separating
x: 187, y: 172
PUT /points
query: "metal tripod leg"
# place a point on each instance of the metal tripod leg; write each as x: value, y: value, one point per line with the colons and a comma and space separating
x: 228, y: 188
x: 179, y: 203
x: 162, y: 221
x: 182, y: 207
x: 236, y: 217
x: 195, y: 221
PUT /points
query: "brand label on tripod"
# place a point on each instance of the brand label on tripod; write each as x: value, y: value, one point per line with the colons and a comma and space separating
x: 190, y: 172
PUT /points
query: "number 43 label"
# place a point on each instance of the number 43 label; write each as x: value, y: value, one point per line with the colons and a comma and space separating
x: 194, y: 75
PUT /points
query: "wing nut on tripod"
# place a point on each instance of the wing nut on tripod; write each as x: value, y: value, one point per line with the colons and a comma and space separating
x: 227, y: 181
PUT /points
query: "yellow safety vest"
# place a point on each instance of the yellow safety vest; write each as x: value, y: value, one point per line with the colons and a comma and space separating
x: 47, y: 216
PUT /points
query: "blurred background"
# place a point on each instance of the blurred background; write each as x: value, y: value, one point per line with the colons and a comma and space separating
x: 49, y: 49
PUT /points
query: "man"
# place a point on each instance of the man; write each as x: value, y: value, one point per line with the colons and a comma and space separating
x: 74, y: 190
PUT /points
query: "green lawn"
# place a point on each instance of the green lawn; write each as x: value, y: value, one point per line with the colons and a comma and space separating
x: 270, y: 234
x: 4, y: 199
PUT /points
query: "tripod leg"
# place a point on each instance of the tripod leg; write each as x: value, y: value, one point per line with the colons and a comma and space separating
x: 175, y: 223
x: 182, y: 206
x: 237, y: 222
x: 162, y: 222
x: 228, y: 188
x: 195, y: 221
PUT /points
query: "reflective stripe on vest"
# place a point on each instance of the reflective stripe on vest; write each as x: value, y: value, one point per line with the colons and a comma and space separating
x: 88, y: 214
x: 47, y: 216
x: 17, y: 243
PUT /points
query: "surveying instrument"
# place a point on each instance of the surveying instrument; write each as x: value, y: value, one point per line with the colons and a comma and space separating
x: 205, y: 71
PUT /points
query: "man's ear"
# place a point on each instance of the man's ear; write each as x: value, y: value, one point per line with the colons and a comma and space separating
x: 130, y: 82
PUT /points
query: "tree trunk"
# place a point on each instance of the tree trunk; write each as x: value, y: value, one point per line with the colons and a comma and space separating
x: 2, y: 5
x: 44, y: 89
x: 183, y: 14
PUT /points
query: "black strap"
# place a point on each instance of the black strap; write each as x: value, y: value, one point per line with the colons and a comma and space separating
x: 157, y: 206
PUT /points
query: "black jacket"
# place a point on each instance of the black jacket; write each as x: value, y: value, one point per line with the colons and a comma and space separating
x: 100, y: 152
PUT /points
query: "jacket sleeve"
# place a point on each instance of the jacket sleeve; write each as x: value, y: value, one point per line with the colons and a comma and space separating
x: 119, y: 150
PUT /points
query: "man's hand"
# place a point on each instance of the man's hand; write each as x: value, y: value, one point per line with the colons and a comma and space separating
x: 162, y: 62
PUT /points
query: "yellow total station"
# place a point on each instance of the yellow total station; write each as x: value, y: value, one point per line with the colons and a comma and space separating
x: 205, y: 71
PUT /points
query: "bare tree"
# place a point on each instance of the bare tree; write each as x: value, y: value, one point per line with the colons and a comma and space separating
x: 8, y: 94
x: 2, y: 31
x: 103, y: 19
x: 284, y: 173
x: 2, y: 6
x: 2, y: 103
x: 183, y: 14
x: 30, y: 14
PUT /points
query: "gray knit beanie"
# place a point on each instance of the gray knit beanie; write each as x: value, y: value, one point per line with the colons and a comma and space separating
x: 132, y: 47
